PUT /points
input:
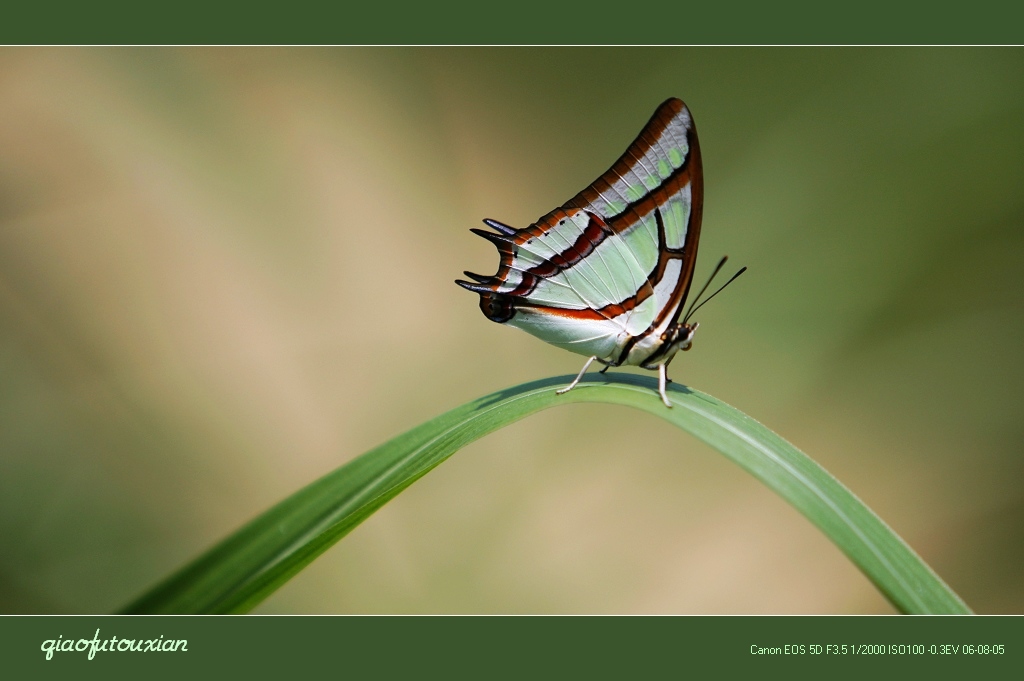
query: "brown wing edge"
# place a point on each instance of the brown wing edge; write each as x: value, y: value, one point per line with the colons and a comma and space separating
x: 648, y: 137
x: 694, y: 168
x: 696, y: 216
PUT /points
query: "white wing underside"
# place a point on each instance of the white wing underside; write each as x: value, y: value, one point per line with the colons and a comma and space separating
x: 608, y: 270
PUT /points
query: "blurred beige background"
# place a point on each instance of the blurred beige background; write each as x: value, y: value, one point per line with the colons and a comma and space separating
x: 225, y: 272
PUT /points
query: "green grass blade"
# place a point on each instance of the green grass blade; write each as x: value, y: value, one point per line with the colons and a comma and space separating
x: 248, y: 566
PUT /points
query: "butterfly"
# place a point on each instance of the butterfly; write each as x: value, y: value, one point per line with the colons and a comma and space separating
x: 607, y: 274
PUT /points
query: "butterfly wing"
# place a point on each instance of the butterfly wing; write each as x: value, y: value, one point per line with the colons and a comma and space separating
x: 608, y: 272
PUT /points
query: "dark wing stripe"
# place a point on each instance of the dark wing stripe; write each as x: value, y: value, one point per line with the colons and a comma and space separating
x: 596, y: 232
x: 586, y: 243
x: 646, y: 289
x: 497, y: 305
x: 645, y: 204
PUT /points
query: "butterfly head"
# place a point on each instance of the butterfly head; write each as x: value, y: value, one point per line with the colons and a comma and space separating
x: 681, y: 337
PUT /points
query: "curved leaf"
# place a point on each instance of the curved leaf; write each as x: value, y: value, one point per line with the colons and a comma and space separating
x: 248, y: 566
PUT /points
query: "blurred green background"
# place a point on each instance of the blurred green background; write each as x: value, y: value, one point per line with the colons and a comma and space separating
x: 225, y: 272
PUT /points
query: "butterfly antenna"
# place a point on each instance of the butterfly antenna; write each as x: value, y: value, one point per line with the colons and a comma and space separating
x: 705, y: 288
x: 732, y: 279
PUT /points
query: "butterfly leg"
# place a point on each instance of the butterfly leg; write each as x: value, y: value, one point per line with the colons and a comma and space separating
x: 662, y: 378
x: 667, y: 379
x: 577, y: 380
x: 606, y: 368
